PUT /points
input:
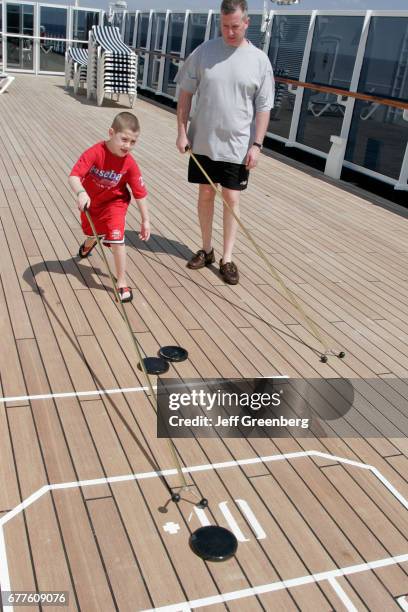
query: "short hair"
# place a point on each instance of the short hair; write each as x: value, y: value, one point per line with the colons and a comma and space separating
x: 125, y: 121
x: 230, y: 6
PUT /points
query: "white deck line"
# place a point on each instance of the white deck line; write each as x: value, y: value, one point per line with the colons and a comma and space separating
x: 195, y: 468
x: 233, y: 595
x: 342, y: 595
x: 402, y: 601
x: 280, y: 585
x: 4, y: 571
x: 191, y: 469
x: 20, y: 398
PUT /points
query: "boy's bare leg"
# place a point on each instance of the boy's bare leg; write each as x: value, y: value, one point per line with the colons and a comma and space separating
x: 205, y: 214
x: 119, y: 256
x: 89, y: 242
x: 231, y: 196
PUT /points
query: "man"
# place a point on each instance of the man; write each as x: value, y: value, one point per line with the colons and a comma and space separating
x: 234, y: 84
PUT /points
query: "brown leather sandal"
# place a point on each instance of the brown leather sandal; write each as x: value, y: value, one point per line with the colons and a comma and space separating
x: 85, y: 251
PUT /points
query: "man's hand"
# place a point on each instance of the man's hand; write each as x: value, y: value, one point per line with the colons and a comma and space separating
x: 83, y: 201
x: 144, y: 230
x: 252, y: 157
x: 182, y: 144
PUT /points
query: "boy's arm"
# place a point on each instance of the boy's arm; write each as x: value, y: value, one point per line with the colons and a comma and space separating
x: 79, y: 172
x: 145, y: 219
x: 138, y: 189
x: 81, y: 195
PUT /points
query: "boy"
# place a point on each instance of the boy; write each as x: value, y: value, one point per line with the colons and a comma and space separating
x: 100, y: 181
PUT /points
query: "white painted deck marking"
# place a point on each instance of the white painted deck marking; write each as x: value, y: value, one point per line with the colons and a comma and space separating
x: 280, y: 585
x: 232, y: 523
x: 341, y: 593
x: 171, y: 528
x: 403, y: 602
x: 202, y: 517
x: 194, y: 468
x: 251, y: 518
x: 233, y: 595
x: 4, y: 571
x: 20, y: 398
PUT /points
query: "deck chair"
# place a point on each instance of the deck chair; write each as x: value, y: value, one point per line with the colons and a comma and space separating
x: 326, y: 103
x: 369, y: 110
x: 281, y: 91
x: 112, y: 65
x: 5, y: 81
x: 76, y: 61
x: 46, y: 48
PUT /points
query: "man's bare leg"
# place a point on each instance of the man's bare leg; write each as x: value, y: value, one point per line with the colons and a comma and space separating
x: 231, y: 196
x: 205, y: 207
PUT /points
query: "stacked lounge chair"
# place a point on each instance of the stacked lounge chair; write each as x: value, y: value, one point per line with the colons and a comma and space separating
x: 112, y: 65
x: 76, y: 62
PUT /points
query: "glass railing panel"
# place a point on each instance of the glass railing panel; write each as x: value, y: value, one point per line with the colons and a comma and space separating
x: 215, y: 25
x: 378, y: 133
x: 332, y: 58
x: 158, y: 26
x: 385, y: 65
x: 53, y: 22
x: 142, y: 30
x: 156, y: 43
x: 118, y: 21
x: 197, y: 24
x: 153, y: 73
x: 52, y: 55
x: 378, y: 138
x: 129, y: 28
x: 321, y: 116
x: 83, y: 22
x: 253, y: 32
x: 20, y: 19
x: 20, y: 54
x: 286, y: 49
x: 141, y: 43
x: 175, y: 32
x: 173, y: 46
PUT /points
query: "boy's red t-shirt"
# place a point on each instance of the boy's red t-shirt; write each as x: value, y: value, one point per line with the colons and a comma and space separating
x: 105, y: 176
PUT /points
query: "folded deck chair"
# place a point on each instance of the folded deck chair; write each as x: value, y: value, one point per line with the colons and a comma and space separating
x: 112, y: 65
x: 5, y: 81
x: 76, y: 61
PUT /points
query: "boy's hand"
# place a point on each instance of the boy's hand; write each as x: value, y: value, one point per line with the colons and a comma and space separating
x: 83, y: 201
x: 144, y: 230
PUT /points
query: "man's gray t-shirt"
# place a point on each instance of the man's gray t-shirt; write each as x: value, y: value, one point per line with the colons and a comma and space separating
x: 231, y: 85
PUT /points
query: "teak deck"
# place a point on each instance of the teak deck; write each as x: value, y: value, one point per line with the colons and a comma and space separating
x: 309, y: 524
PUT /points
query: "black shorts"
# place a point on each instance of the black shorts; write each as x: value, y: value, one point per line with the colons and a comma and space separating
x: 231, y: 176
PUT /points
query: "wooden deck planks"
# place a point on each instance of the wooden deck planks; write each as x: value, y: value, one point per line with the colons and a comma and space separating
x: 64, y: 333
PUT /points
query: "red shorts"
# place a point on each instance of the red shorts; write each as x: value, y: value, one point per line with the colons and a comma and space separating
x: 109, y: 221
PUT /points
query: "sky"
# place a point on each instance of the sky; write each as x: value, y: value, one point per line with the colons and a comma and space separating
x: 254, y: 4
